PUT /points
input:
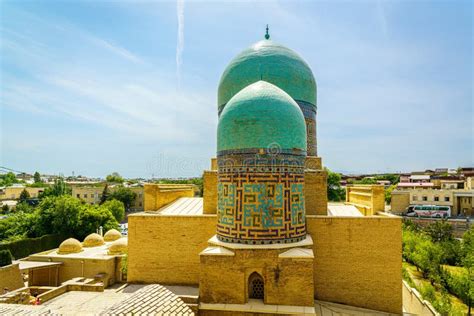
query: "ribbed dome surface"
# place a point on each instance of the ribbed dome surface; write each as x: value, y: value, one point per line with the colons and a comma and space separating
x: 271, y: 62
x: 112, y: 235
x: 259, y: 116
x: 118, y: 247
x: 93, y: 240
x: 70, y: 245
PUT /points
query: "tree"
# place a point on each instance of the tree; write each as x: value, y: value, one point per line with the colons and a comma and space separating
x: 24, y: 196
x: 116, y: 208
x: 57, y: 189
x: 427, y: 257
x: 335, y: 192
x: 366, y: 181
x: 59, y: 214
x: 124, y: 195
x: 468, y: 248
x: 114, y: 177
x: 388, y: 193
x: 105, y: 194
x: 91, y: 218
x: 8, y: 179
x: 440, y: 231
x: 5, y: 208
x: 37, y: 177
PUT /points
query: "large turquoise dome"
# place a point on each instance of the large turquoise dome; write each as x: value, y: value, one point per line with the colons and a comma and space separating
x: 261, y: 116
x: 274, y: 63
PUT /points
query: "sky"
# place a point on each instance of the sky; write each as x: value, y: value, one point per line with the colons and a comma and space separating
x: 93, y: 87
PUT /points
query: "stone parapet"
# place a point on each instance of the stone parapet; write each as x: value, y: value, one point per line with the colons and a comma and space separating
x: 158, y: 195
x: 369, y: 199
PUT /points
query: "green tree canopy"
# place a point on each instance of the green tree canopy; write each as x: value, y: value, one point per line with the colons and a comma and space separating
x: 105, y: 194
x: 57, y: 189
x: 335, y: 192
x: 8, y: 179
x: 114, y: 177
x: 366, y: 181
x: 116, y: 207
x: 440, y: 231
x: 37, y: 177
x: 91, y: 218
x: 388, y: 193
x: 59, y: 214
x: 24, y: 196
x: 124, y: 195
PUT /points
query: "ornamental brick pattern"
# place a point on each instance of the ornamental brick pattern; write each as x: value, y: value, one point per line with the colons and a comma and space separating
x: 261, y: 198
x: 151, y: 300
x: 309, y: 113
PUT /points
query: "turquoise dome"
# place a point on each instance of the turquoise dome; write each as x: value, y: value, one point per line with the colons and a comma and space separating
x: 259, y: 116
x: 272, y: 62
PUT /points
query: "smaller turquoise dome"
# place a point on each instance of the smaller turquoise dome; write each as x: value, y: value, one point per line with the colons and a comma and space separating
x: 261, y: 116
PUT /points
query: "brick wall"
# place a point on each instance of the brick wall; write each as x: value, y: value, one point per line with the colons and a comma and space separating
x: 369, y: 199
x: 400, y: 201
x: 210, y: 192
x: 10, y: 277
x: 158, y: 195
x: 165, y: 249
x: 315, y: 192
x: 224, y: 279
x: 358, y: 261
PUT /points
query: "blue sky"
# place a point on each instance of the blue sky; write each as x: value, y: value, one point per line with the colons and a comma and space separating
x: 100, y: 86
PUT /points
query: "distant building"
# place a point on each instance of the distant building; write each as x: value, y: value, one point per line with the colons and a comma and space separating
x: 412, y: 185
x: 460, y: 201
x: 467, y: 172
x: 385, y: 183
x: 441, y: 170
x: 404, y: 177
x: 420, y: 178
x: 13, y: 192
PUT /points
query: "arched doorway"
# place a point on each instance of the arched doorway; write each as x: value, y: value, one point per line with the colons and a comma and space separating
x: 256, y: 286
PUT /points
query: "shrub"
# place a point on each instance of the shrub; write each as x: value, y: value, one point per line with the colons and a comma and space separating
x: 406, y: 276
x: 5, y: 257
x: 443, y: 304
x: 428, y: 293
x: 27, y: 246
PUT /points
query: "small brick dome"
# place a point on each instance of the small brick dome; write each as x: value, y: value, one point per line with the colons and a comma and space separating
x: 70, y: 245
x: 118, y: 247
x: 93, y: 240
x: 112, y: 235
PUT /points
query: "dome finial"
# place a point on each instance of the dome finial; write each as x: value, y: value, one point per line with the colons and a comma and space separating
x: 267, y: 36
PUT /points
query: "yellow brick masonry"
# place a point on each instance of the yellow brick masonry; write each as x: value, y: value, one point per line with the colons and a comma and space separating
x: 151, y: 300
x: 158, y: 195
x: 165, y: 248
x: 224, y: 278
x: 357, y: 260
x: 10, y: 277
x: 369, y: 199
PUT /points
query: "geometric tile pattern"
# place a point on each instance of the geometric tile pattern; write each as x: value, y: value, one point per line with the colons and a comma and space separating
x: 261, y: 204
x: 309, y: 113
